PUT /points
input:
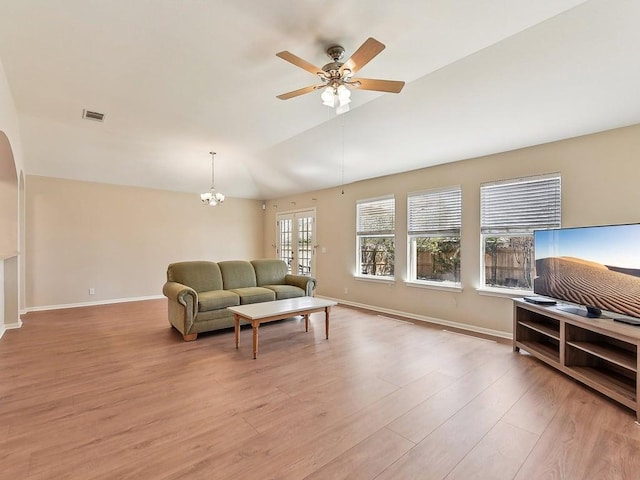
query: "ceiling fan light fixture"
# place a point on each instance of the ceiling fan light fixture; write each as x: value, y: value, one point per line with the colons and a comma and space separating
x: 337, y: 76
x: 342, y: 109
x: 329, y: 97
x: 343, y: 93
x: 344, y: 102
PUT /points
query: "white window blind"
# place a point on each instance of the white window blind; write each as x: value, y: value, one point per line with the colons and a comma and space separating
x: 520, y: 205
x: 376, y: 217
x: 436, y: 212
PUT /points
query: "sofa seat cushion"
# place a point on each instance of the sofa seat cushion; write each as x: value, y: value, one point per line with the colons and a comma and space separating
x: 217, y: 299
x: 286, y: 291
x: 254, y: 294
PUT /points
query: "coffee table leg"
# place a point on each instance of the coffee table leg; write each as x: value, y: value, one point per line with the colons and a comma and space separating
x: 255, y: 338
x: 326, y: 320
x: 306, y: 322
x: 236, y: 319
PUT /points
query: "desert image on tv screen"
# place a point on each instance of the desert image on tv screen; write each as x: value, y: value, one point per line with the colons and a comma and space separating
x: 592, y: 266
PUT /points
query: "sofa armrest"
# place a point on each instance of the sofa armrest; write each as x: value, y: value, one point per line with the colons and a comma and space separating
x: 308, y: 284
x: 184, y: 300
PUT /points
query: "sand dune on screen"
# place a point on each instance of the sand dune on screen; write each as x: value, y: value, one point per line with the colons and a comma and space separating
x: 588, y: 283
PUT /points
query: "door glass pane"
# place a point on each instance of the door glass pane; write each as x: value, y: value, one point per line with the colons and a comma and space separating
x: 305, y: 245
x: 296, y: 238
x: 285, y: 241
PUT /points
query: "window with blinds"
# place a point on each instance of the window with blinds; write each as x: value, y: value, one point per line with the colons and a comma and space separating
x: 375, y: 232
x: 433, y: 231
x: 520, y: 206
x: 509, y: 213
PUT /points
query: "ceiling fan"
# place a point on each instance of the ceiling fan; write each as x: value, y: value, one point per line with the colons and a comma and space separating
x: 337, y: 77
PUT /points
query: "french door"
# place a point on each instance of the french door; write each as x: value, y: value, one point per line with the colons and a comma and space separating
x: 296, y: 241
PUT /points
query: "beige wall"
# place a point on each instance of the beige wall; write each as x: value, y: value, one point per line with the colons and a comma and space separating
x: 599, y: 186
x: 11, y: 272
x: 119, y: 240
x: 8, y: 200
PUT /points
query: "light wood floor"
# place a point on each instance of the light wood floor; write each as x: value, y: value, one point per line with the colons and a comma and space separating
x: 112, y: 392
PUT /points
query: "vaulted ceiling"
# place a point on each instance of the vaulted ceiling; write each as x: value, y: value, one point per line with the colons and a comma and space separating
x: 177, y: 79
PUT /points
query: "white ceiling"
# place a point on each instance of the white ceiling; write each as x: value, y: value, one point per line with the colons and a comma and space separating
x: 176, y: 79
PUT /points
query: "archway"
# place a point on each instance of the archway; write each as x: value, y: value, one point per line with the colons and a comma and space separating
x: 9, y: 214
x: 22, y: 245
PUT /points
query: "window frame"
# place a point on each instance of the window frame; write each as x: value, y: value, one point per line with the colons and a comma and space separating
x: 362, y: 232
x: 442, y: 200
x: 515, y: 226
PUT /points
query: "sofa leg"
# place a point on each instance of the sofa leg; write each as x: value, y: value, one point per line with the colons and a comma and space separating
x: 190, y: 337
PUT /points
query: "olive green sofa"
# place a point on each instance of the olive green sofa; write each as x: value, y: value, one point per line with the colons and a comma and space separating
x: 199, y: 292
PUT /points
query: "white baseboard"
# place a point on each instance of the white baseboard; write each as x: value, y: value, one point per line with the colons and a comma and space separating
x: 413, y: 316
x: 10, y: 326
x: 423, y: 318
x: 90, y: 304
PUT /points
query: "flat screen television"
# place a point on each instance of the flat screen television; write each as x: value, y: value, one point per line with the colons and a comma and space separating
x: 593, y: 267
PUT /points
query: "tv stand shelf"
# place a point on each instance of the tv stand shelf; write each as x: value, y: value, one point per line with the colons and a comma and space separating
x: 598, y: 352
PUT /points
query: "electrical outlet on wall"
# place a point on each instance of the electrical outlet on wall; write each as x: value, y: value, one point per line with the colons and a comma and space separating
x: 92, y: 291
x: 346, y: 290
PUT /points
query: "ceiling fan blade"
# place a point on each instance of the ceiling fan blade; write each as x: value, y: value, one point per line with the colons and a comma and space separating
x: 369, y: 49
x: 300, y: 91
x: 390, y: 86
x: 298, y: 62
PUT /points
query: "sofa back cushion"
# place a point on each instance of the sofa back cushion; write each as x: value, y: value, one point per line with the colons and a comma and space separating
x: 199, y: 275
x: 237, y: 274
x: 270, y: 271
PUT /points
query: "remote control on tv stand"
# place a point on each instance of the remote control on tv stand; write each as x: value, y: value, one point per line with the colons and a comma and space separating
x: 629, y: 321
x: 540, y: 300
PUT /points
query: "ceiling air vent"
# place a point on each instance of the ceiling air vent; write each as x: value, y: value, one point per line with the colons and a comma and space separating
x: 88, y: 114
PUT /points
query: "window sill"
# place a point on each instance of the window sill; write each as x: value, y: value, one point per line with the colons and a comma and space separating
x: 388, y: 280
x: 450, y: 287
x: 503, y: 292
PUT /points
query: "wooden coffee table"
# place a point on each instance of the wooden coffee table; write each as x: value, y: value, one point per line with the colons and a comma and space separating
x: 257, y: 313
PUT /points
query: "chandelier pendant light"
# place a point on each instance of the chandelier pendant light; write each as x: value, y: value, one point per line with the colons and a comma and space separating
x: 212, y: 197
